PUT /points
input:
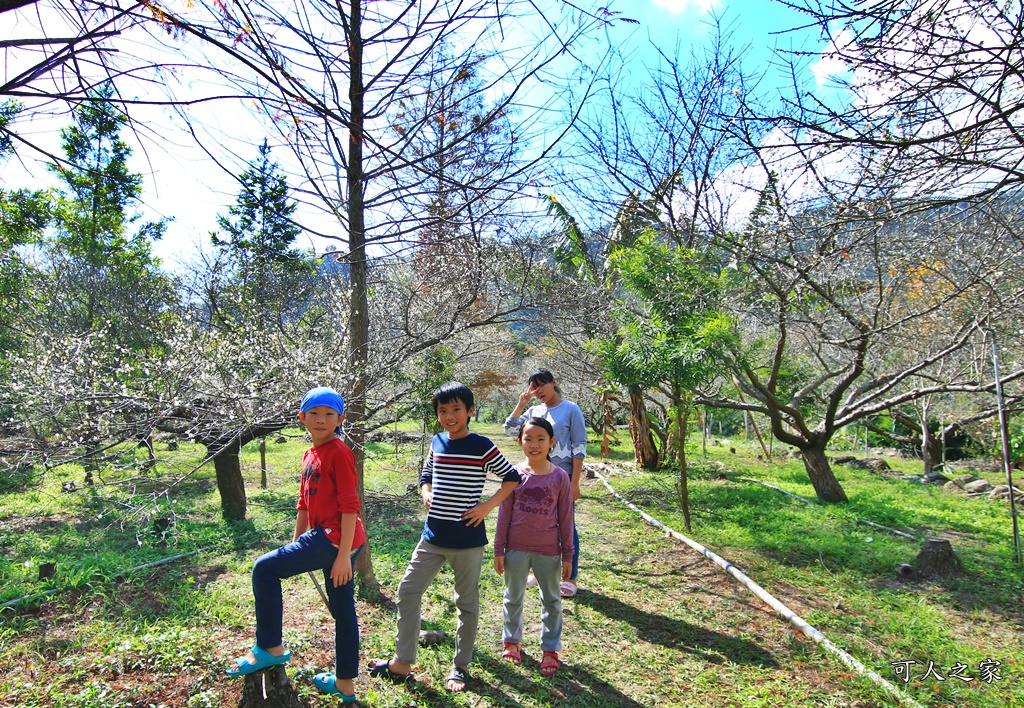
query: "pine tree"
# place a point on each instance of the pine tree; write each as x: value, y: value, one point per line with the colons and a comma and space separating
x: 101, y: 271
x: 94, y: 213
x: 259, y: 227
x: 262, y: 270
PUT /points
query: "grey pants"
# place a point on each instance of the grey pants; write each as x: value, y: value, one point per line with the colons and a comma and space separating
x: 424, y: 565
x: 548, y: 571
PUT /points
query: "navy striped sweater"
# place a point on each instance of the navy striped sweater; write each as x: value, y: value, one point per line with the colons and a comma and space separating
x: 456, y: 470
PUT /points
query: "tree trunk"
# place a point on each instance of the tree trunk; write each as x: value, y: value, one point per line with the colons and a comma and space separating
x: 89, y: 462
x: 270, y: 688
x: 359, y: 313
x: 229, y: 482
x: 682, y: 421
x: 147, y: 442
x: 826, y: 486
x: 931, y: 451
x: 703, y: 420
x: 640, y: 431
x: 263, y: 463
x: 608, y: 436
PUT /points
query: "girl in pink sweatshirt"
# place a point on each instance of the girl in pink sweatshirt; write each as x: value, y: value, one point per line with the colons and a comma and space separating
x: 534, y: 532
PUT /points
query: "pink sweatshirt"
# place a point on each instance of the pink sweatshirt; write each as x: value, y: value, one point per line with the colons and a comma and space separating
x: 537, y: 517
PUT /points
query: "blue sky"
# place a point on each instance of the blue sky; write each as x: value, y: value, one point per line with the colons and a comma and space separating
x: 179, y: 182
x: 754, y: 23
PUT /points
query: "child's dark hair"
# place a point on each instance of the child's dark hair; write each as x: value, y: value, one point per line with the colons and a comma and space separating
x: 543, y: 376
x: 450, y: 392
x: 540, y: 423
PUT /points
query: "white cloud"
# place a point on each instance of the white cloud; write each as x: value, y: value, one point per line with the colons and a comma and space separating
x: 678, y: 6
x: 829, y: 65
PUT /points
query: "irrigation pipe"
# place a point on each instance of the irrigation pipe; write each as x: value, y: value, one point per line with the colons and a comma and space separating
x: 904, y: 534
x: 18, y: 601
x: 777, y: 489
x: 775, y: 604
x: 886, y: 528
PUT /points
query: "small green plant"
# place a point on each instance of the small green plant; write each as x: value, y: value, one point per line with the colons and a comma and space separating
x: 94, y: 694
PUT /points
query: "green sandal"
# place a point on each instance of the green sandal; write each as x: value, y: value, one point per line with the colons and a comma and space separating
x: 264, y: 660
x: 325, y: 682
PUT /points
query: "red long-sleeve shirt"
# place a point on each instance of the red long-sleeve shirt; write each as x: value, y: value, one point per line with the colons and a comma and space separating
x: 329, y: 489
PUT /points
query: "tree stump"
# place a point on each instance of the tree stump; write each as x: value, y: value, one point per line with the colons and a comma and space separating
x: 937, y: 558
x: 270, y: 688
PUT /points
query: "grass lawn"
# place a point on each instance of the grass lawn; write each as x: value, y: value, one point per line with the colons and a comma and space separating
x: 653, y: 624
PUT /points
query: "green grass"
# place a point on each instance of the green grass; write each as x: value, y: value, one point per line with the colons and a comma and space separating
x: 654, y: 623
x: 840, y: 575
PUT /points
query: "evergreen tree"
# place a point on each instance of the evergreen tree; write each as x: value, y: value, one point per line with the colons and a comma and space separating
x: 93, y: 214
x: 103, y: 272
x: 23, y: 216
x: 260, y: 266
x: 259, y: 227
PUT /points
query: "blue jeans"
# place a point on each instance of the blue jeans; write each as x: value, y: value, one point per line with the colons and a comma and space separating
x: 575, y: 545
x: 566, y: 464
x: 312, y: 551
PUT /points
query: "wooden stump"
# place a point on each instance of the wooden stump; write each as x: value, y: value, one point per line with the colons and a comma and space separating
x: 937, y: 558
x: 270, y: 688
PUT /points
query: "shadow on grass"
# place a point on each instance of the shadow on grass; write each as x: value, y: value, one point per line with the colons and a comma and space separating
x: 245, y: 538
x: 612, y: 456
x: 392, y: 509
x: 277, y: 501
x: 671, y: 633
x: 573, y: 684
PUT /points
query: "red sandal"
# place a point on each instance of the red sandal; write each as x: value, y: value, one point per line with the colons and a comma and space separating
x: 549, y: 665
x: 512, y: 654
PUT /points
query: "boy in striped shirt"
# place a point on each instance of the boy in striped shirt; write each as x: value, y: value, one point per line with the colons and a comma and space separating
x: 451, y: 484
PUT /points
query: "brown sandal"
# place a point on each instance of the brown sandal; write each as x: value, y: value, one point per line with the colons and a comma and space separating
x: 512, y: 654
x: 549, y: 665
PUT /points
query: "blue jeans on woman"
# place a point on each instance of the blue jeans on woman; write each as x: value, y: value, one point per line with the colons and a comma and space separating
x: 312, y: 551
x: 576, y: 545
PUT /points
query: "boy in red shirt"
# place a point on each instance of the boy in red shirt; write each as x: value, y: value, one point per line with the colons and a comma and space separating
x: 328, y: 536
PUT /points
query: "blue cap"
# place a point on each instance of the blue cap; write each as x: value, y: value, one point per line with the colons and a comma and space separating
x: 323, y: 396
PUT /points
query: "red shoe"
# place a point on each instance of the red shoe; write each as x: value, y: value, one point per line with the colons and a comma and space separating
x: 512, y: 654
x: 550, y: 664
